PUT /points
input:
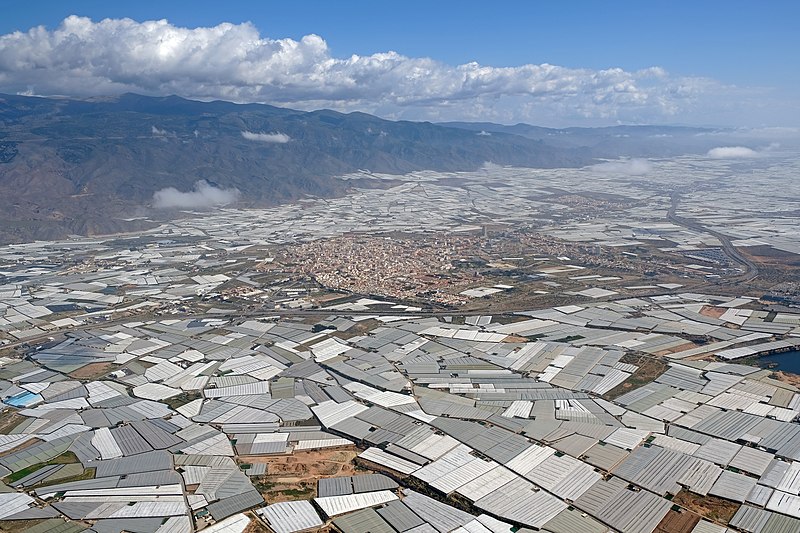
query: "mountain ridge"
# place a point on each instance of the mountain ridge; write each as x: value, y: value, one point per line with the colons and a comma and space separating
x: 81, y: 166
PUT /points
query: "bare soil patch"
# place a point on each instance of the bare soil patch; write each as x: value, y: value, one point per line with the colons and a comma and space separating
x: 294, y: 477
x: 649, y: 369
x: 712, y: 312
x: 91, y: 371
x: 787, y: 377
x: 711, y: 507
x: 677, y: 522
x: 9, y: 420
x: 676, y: 349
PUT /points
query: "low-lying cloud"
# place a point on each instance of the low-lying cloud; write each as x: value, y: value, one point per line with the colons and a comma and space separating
x: 157, y: 132
x: 203, y: 196
x: 626, y: 167
x: 277, y: 137
x: 732, y: 152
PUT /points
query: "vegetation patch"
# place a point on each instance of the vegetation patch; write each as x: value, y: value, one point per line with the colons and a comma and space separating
x: 649, y: 369
x: 63, y: 459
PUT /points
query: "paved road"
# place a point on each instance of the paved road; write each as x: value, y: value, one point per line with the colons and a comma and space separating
x: 750, y: 268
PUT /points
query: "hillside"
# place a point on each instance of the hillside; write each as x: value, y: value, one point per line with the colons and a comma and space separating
x: 81, y: 166
x: 91, y: 166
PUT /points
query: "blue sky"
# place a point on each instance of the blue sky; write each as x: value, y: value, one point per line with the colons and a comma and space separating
x: 748, y: 49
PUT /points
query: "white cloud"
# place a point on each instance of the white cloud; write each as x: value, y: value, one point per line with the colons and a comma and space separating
x: 161, y: 133
x: 732, y: 152
x: 234, y: 62
x: 203, y: 195
x: 280, y: 138
x: 627, y: 167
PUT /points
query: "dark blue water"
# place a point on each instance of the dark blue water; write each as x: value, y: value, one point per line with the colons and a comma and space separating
x: 786, y: 361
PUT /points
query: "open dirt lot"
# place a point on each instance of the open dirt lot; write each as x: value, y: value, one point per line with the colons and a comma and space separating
x: 711, y: 507
x: 293, y: 477
x: 649, y: 369
x: 92, y: 371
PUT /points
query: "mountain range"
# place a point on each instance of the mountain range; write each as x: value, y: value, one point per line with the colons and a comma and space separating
x: 92, y: 166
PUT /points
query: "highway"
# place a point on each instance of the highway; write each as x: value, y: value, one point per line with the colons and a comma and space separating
x: 750, y: 268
